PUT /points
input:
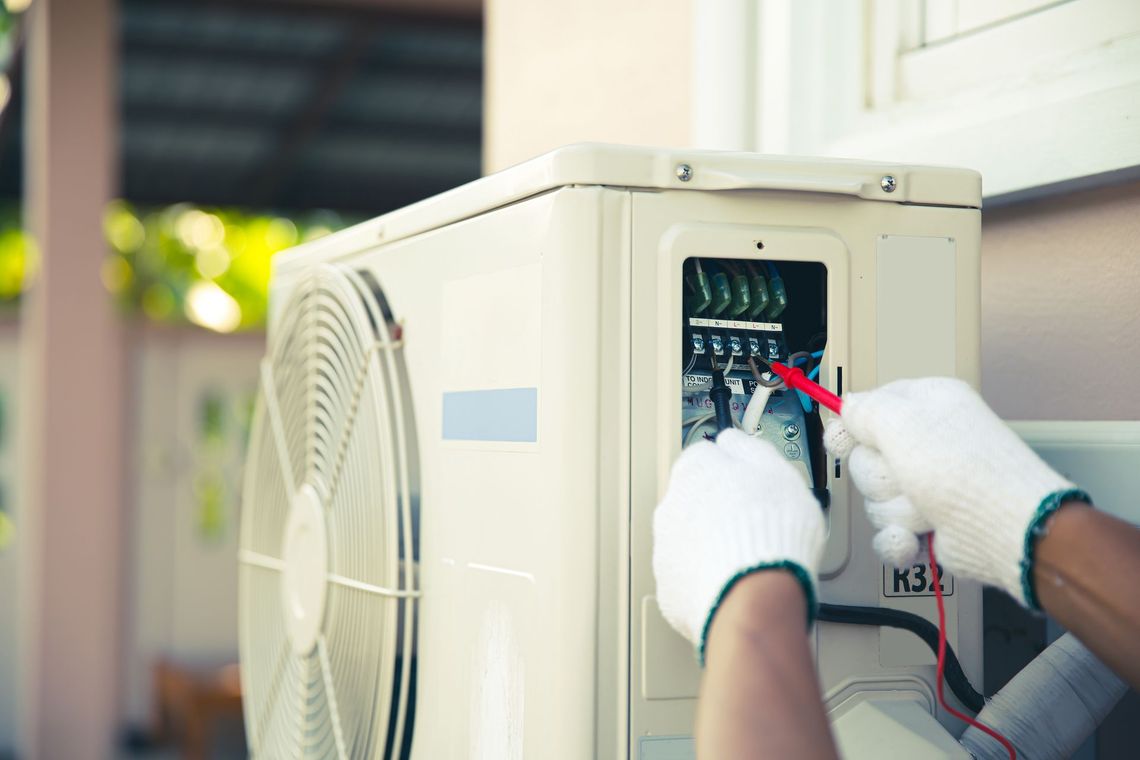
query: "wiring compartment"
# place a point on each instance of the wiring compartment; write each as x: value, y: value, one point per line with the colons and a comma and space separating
x: 736, y: 310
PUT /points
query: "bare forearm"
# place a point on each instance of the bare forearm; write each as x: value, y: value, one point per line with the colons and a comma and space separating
x: 760, y: 696
x: 1085, y: 572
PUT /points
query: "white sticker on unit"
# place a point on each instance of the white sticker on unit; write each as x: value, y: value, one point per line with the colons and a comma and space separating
x: 916, y: 305
x: 694, y: 381
x: 666, y: 748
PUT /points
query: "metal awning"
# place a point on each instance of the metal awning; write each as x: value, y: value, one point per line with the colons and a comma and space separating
x: 290, y: 105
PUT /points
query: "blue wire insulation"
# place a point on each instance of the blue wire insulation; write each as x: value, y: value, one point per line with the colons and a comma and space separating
x: 805, y: 401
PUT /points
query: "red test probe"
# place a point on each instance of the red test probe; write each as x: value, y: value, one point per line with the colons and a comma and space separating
x: 795, y: 379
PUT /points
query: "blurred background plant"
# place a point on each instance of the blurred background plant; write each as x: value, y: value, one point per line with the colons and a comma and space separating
x: 175, y: 265
x: 209, y: 267
x: 19, y: 257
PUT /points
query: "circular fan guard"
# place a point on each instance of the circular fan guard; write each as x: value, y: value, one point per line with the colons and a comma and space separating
x: 327, y: 603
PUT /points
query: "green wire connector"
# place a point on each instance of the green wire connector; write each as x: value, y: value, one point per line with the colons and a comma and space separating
x: 759, y: 287
x: 741, y: 296
x: 722, y: 294
x: 779, y: 297
x: 700, y: 292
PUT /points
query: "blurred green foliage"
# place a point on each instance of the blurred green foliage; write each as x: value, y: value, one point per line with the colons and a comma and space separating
x: 207, y: 266
x: 177, y: 264
x: 19, y: 257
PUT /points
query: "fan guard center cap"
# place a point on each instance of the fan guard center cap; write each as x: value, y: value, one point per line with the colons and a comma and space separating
x: 305, y: 580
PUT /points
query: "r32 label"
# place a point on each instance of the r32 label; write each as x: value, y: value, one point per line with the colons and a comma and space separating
x: 916, y: 580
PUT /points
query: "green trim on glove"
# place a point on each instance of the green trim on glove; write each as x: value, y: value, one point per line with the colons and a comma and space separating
x: 1035, y: 531
x: 796, y: 569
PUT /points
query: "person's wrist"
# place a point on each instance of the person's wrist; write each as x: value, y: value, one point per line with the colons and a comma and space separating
x: 758, y: 598
x: 1054, y: 542
x: 1041, y: 536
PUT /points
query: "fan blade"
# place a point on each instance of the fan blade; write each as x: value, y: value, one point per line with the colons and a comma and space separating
x: 257, y: 559
x: 369, y: 588
x: 270, y: 697
x: 269, y: 389
x: 334, y: 711
x: 318, y: 739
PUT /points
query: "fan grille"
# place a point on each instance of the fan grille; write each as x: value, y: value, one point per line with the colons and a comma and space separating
x: 326, y: 666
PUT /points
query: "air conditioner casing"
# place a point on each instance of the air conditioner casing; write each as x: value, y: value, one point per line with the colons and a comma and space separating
x: 540, y: 310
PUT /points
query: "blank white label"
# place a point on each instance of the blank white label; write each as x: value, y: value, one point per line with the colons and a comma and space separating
x: 917, y: 307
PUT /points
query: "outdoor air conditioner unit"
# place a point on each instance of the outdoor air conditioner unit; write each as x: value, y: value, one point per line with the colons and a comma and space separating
x: 468, y: 412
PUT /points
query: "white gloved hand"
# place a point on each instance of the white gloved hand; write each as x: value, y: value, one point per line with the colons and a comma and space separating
x: 732, y: 507
x: 929, y: 455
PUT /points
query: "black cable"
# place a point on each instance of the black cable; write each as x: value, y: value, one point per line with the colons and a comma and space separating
x: 817, y: 456
x: 817, y: 341
x: 721, y: 396
x: 884, y: 616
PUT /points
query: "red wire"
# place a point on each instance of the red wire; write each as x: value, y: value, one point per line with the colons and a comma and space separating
x: 942, y: 657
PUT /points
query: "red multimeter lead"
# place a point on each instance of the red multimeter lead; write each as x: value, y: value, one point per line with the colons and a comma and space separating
x: 795, y: 379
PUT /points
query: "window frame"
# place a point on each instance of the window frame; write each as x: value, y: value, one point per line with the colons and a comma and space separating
x: 818, y: 87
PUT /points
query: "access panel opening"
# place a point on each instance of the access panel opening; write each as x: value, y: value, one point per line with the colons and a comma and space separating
x: 739, y: 314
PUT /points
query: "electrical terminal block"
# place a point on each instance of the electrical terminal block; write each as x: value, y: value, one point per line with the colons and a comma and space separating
x: 698, y: 342
x: 717, y: 344
x: 736, y: 345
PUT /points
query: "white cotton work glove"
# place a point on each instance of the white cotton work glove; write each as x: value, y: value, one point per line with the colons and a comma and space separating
x: 929, y: 455
x: 733, y: 507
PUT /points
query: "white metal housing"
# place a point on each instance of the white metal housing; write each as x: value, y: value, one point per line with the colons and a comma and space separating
x: 554, y: 289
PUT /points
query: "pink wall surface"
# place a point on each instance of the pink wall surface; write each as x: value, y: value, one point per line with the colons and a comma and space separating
x: 1061, y: 284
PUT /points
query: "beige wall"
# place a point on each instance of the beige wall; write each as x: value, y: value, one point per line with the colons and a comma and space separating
x: 605, y: 70
x: 1060, y: 277
x: 1061, y: 283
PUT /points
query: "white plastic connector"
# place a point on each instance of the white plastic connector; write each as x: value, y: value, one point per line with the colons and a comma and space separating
x: 755, y: 410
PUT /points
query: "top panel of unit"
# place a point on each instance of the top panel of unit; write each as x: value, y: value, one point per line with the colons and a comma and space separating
x: 595, y: 164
